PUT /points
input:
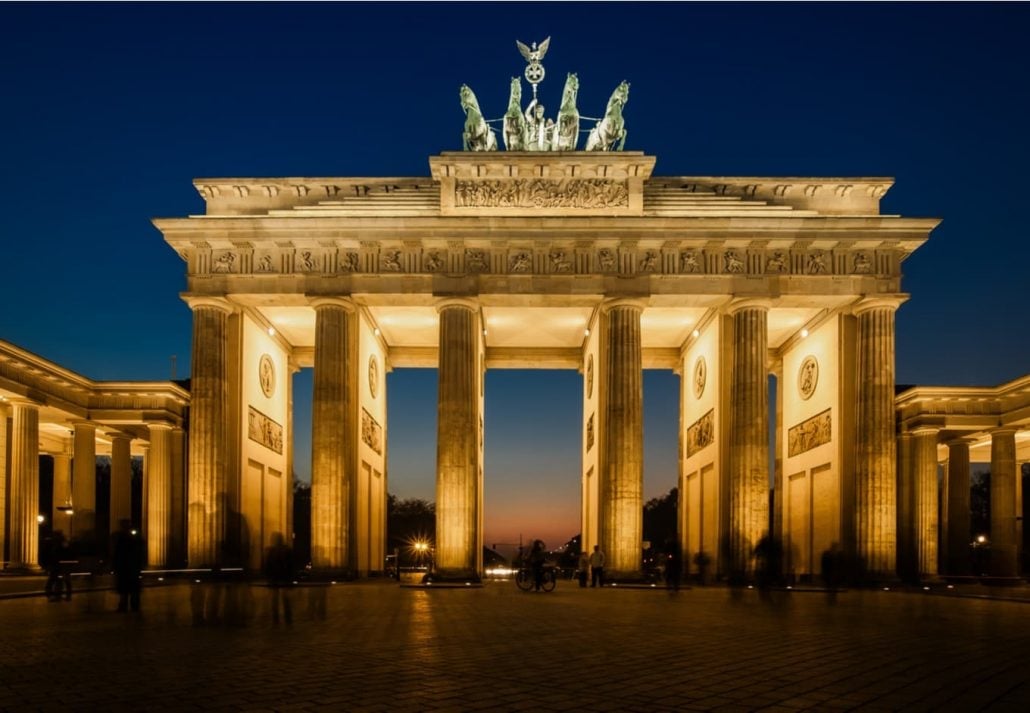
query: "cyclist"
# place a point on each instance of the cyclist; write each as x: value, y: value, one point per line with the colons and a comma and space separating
x: 536, y: 564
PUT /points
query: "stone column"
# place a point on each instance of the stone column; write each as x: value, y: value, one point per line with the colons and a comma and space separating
x: 208, y: 446
x: 458, y: 497
x: 62, y: 492
x: 177, y: 546
x: 875, y: 457
x: 907, y: 557
x: 333, y: 434
x: 121, y: 480
x: 924, y: 491
x: 749, y: 433
x: 24, y: 486
x: 958, y: 508
x: 84, y: 480
x: 5, y: 473
x: 1004, y: 544
x: 158, y: 489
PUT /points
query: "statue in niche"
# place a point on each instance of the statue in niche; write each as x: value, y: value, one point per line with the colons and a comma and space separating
x: 610, y: 132
x: 816, y: 263
x: 224, y: 263
x: 477, y: 136
x: 733, y: 263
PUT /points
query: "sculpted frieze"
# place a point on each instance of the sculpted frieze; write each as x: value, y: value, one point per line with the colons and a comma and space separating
x: 701, y: 433
x: 348, y: 262
x: 862, y: 264
x: 434, y: 261
x: 732, y: 262
x: 390, y: 261
x: 606, y: 259
x: 371, y: 432
x: 777, y: 262
x: 648, y: 263
x: 559, y: 263
x: 690, y: 261
x: 809, y: 434
x: 476, y: 261
x: 264, y: 264
x: 815, y: 263
x: 541, y: 193
x: 263, y: 430
x: 226, y: 262
x: 520, y: 262
x: 308, y: 262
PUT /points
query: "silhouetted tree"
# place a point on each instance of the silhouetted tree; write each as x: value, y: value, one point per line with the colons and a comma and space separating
x: 980, y: 503
x: 660, y: 518
x: 408, y: 521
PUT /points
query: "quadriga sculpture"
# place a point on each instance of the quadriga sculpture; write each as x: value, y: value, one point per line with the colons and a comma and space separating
x: 611, y: 129
x: 514, y: 122
x: 566, y: 130
x: 477, y: 135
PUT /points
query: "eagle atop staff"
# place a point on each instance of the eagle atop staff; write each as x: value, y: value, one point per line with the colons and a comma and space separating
x: 536, y: 53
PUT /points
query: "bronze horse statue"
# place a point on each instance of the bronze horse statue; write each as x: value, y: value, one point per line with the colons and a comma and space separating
x: 514, y: 131
x: 477, y: 135
x: 611, y: 129
x: 566, y: 130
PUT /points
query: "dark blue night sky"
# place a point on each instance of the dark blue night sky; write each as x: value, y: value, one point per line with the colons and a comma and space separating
x: 110, y: 111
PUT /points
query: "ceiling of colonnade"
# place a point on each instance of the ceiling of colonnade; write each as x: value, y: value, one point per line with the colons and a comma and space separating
x: 530, y: 328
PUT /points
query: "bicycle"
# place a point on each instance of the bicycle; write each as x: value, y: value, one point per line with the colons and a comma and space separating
x: 524, y: 579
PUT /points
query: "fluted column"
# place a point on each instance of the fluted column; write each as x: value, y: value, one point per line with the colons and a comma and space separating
x: 62, y: 492
x: 84, y: 480
x: 24, y: 494
x: 749, y: 433
x: 924, y: 511
x: 177, y: 546
x: 875, y: 456
x: 1004, y: 545
x: 458, y: 497
x: 5, y: 473
x: 208, y: 446
x: 333, y: 434
x: 158, y: 489
x: 958, y: 537
x: 907, y: 557
x: 121, y: 480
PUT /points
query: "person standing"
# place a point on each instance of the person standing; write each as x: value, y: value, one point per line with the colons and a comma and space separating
x: 597, y: 567
x: 279, y: 569
x: 128, y: 565
x: 673, y: 564
x: 536, y: 564
x: 583, y: 568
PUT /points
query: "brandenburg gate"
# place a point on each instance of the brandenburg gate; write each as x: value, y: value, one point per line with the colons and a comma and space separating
x: 571, y: 260
x: 544, y: 256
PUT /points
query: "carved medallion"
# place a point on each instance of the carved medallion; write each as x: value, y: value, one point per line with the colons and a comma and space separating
x: 808, y: 377
x: 700, y: 376
x: 373, y: 375
x: 266, y: 375
x: 590, y: 375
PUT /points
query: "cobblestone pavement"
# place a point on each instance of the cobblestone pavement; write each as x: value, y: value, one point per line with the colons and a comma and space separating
x: 381, y: 647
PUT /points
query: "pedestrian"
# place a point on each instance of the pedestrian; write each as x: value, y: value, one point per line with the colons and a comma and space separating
x: 128, y: 566
x: 583, y: 568
x: 55, y: 552
x: 279, y: 570
x: 536, y: 564
x: 597, y: 567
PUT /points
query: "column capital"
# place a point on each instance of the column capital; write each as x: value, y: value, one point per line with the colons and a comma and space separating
x: 159, y: 426
x: 925, y: 431
x: 84, y: 423
x: 632, y: 302
x: 196, y: 302
x: 1004, y: 431
x: 113, y: 433
x: 960, y: 441
x: 465, y: 302
x: 878, y: 301
x: 345, y: 303
x: 23, y: 401
x: 741, y: 303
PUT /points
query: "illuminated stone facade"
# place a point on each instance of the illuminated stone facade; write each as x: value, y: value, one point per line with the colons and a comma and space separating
x: 49, y: 412
x: 571, y: 260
